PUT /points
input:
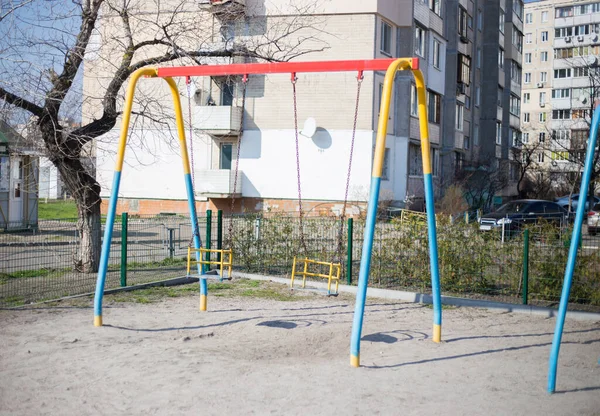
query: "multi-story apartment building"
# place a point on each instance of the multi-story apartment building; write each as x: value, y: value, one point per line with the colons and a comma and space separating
x: 471, y: 70
x: 560, y: 84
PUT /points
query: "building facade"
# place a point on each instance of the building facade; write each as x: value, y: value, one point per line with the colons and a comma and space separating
x: 560, y: 86
x: 473, y: 119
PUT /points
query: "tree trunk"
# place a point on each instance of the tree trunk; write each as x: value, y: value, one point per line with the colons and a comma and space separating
x: 90, y: 231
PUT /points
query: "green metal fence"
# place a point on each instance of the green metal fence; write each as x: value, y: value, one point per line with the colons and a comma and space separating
x: 38, y: 264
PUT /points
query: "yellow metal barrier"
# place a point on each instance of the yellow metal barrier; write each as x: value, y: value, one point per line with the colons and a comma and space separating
x: 413, y: 216
x: 335, y: 269
x: 225, y: 262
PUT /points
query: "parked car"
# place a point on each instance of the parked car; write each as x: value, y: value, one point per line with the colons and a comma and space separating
x: 563, y: 201
x: 593, y: 220
x: 513, y: 215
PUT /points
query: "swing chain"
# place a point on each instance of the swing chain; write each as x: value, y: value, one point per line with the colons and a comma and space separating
x: 302, y: 241
x: 237, y: 159
x: 359, y: 78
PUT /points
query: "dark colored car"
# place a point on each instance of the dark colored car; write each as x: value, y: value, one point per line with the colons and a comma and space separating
x: 513, y: 215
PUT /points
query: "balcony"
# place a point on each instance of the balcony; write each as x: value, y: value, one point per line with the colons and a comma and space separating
x: 227, y: 8
x: 218, y: 120
x: 218, y: 183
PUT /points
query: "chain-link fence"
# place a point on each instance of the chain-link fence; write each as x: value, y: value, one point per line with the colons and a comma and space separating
x: 38, y: 264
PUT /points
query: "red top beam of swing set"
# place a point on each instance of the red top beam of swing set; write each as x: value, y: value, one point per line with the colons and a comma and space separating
x: 280, y: 68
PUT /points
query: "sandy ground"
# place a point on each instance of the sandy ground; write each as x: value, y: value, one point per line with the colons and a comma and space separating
x: 256, y: 356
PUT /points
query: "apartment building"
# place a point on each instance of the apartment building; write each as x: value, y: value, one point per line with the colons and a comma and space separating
x: 560, y: 85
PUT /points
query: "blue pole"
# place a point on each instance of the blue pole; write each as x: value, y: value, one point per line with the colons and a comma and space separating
x: 363, y: 275
x: 108, y: 231
x: 197, y: 240
x: 433, y: 259
x: 566, y: 290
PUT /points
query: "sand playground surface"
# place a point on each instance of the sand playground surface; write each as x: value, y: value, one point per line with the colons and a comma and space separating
x: 257, y: 356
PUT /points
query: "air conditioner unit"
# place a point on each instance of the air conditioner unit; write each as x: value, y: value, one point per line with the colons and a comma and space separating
x: 580, y: 38
x: 542, y: 104
x: 568, y: 39
x: 540, y: 84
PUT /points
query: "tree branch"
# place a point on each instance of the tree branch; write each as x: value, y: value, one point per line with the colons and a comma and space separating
x: 20, y: 102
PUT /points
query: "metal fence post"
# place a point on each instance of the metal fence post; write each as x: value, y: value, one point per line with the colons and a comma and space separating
x: 124, y: 249
x: 525, y: 266
x: 206, y: 267
x: 171, y: 242
x: 349, y: 255
x: 219, y: 232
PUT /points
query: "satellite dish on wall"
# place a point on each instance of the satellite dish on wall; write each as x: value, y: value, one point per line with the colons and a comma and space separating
x: 310, y: 127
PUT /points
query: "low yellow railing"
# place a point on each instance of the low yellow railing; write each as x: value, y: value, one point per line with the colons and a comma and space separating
x: 335, y: 269
x: 205, y: 259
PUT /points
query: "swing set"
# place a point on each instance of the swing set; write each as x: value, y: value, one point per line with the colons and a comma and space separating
x: 203, y: 255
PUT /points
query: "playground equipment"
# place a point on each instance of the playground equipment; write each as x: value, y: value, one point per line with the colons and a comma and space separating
x: 575, y: 238
x: 203, y: 258
x: 335, y: 263
x: 391, y: 65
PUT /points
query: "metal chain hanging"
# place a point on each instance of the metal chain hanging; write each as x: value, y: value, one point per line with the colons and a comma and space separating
x: 196, y: 228
x: 237, y: 160
x: 302, y: 241
x: 338, y: 253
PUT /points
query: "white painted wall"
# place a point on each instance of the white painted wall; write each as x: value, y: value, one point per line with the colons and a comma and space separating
x: 49, y: 184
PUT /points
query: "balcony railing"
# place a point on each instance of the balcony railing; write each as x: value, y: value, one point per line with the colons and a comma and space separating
x: 218, y: 119
x: 218, y: 183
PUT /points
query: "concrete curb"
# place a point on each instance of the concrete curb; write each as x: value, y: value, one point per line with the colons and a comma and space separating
x: 446, y: 300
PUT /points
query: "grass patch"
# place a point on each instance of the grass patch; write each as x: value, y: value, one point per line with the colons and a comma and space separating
x: 5, y: 277
x: 57, y: 210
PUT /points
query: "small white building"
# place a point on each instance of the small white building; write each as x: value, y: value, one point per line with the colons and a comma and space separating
x: 18, y: 181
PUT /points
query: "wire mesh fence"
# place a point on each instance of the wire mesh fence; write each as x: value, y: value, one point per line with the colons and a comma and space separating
x: 38, y: 264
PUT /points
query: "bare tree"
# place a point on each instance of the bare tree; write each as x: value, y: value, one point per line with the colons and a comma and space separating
x: 44, y: 45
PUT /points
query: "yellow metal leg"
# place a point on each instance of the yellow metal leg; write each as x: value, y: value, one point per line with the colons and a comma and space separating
x: 355, y: 360
x: 437, y: 333
x: 203, y: 303
x: 97, y: 320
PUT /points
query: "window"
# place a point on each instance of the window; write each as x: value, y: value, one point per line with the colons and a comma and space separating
x: 542, y: 117
x: 415, y: 162
x: 525, y: 117
x: 500, y: 58
x: 386, y: 38
x: 501, y: 21
x: 464, y: 69
x: 544, y: 17
x: 500, y: 94
x: 436, y: 53
x: 467, y: 102
x: 581, y: 114
x: 560, y: 135
x: 540, y: 157
x: 385, y: 171
x: 515, y: 105
x: 544, y: 56
x: 476, y: 135
x: 528, y: 58
x: 498, y: 132
x: 527, y: 77
x: 517, y: 39
x: 518, y: 7
x: 459, y: 116
x: 459, y: 159
x: 420, y: 41
x: 462, y: 24
x: 529, y: 18
x: 478, y: 57
x: 563, y: 32
x: 525, y: 138
x: 414, y: 107
x: 477, y: 96
x: 528, y: 38
x: 545, y: 36
x: 515, y: 72
x: 466, y: 142
x: 435, y: 161
x: 542, y: 137
x: 227, y: 88
x: 561, y: 114
x: 225, y: 156
x: 543, y: 76
x: 561, y: 93
x: 542, y: 98
x: 526, y: 98
x: 479, y: 20
x: 434, y: 106
x: 562, y: 73
x: 434, y: 5
x: 563, y: 12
